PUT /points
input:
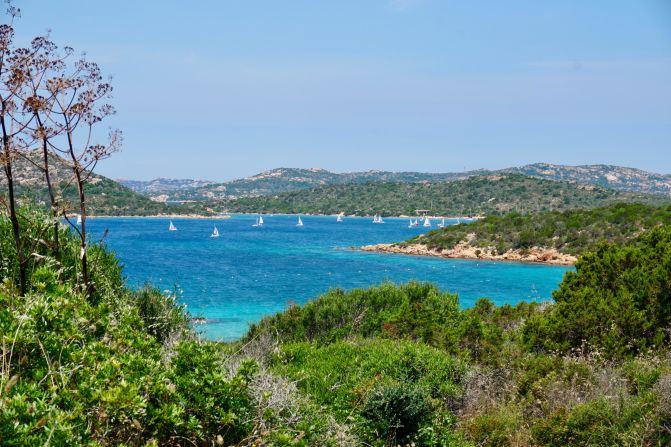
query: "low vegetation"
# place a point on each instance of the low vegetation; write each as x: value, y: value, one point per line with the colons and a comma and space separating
x: 572, y: 232
x: 485, y: 195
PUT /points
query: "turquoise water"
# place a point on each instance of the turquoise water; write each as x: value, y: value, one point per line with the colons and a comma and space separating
x: 250, y: 272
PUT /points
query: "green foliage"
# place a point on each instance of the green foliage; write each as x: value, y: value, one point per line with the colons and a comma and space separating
x: 572, y: 232
x: 161, y: 315
x: 348, y: 377
x: 490, y: 195
x: 414, y: 310
x: 396, y: 412
x: 618, y: 300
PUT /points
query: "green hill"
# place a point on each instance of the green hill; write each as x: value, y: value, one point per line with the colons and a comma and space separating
x: 105, y: 197
x: 489, y: 195
x: 570, y: 232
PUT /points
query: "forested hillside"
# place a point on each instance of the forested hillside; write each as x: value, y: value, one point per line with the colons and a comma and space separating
x: 487, y: 195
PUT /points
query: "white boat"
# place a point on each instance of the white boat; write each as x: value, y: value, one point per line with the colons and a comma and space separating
x: 172, y: 227
x: 300, y: 222
x: 377, y: 219
x: 427, y: 222
x: 411, y: 224
x: 215, y: 233
x: 442, y: 223
x: 79, y: 220
x: 339, y: 218
x: 259, y: 222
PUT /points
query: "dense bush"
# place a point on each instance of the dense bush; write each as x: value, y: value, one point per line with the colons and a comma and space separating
x: 617, y: 301
x: 414, y: 310
x: 348, y: 377
x: 396, y: 412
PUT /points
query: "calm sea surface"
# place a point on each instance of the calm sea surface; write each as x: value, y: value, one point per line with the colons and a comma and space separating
x: 250, y: 272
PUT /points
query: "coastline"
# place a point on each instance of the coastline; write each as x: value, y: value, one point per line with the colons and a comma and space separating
x: 535, y: 255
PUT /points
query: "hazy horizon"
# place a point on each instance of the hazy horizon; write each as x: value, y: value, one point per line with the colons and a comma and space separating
x: 223, y: 90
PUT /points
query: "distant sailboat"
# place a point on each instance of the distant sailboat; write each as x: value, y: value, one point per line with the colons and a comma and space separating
x: 377, y: 219
x: 339, y: 218
x: 427, y: 222
x: 411, y: 224
x: 259, y: 222
x: 215, y: 233
x: 172, y: 227
x: 300, y: 222
x: 79, y: 220
x: 442, y: 223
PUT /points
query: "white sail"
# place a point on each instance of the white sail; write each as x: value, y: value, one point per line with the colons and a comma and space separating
x: 427, y: 222
x: 172, y: 227
x: 260, y: 220
x: 215, y: 233
x: 442, y: 223
x: 300, y: 222
x: 79, y: 220
x: 410, y: 223
x: 339, y: 218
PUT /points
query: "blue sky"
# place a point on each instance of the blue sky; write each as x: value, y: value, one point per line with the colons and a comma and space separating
x: 220, y: 89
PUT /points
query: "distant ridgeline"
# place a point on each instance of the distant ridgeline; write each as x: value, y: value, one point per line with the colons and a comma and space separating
x: 281, y: 180
x: 105, y: 197
x: 570, y: 232
x: 483, y: 195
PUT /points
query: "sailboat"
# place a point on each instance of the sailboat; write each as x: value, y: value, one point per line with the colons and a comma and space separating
x: 377, y: 219
x: 79, y: 219
x: 259, y: 222
x: 411, y: 224
x: 172, y: 227
x: 427, y: 222
x: 442, y: 223
x: 215, y: 233
x: 300, y: 222
x: 339, y: 218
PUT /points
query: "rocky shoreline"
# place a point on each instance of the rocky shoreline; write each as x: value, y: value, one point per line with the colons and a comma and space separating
x: 463, y: 250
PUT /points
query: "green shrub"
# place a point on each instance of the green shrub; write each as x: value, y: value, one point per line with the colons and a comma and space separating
x: 160, y: 313
x: 617, y: 301
x: 395, y: 412
x: 416, y: 311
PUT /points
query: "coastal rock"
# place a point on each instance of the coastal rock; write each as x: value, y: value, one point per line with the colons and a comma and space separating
x: 463, y: 250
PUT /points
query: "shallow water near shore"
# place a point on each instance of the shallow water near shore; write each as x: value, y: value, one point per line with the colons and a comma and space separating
x: 250, y: 272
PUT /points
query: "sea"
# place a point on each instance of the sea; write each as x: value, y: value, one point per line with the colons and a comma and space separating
x: 250, y: 272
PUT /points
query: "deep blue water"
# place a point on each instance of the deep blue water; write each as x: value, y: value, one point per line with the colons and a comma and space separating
x: 250, y: 272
